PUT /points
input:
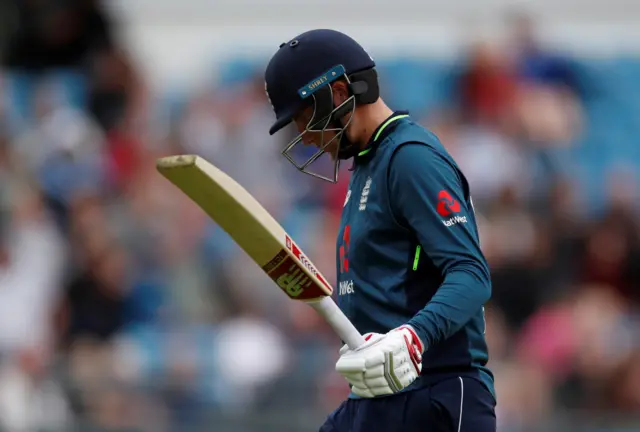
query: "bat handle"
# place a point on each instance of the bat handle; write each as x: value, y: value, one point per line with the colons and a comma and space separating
x: 338, y: 321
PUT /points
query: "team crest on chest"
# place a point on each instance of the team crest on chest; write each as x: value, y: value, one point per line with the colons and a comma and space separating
x: 365, y: 195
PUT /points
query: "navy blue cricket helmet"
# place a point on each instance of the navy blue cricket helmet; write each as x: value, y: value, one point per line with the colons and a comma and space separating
x: 299, y: 75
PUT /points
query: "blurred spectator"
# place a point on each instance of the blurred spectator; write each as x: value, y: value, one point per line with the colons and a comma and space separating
x: 63, y: 147
x: 32, y: 259
x: 549, y: 92
x: 94, y: 303
x: 78, y: 35
x: 117, y: 95
x: 31, y: 398
x: 535, y: 63
x: 487, y: 85
x: 623, y: 388
x: 608, y: 249
x: 57, y: 34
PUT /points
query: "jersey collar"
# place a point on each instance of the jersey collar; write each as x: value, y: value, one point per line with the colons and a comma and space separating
x: 381, y: 132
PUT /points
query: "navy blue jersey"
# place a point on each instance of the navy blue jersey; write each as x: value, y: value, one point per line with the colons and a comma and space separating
x: 408, y: 250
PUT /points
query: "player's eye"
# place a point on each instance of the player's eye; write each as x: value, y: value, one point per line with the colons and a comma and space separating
x: 304, y: 117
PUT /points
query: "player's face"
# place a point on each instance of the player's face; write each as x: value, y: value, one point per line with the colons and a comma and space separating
x: 314, y: 138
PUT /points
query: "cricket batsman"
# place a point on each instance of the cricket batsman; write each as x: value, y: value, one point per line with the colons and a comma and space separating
x: 411, y: 275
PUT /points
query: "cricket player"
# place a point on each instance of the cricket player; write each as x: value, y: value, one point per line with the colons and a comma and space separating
x: 411, y: 275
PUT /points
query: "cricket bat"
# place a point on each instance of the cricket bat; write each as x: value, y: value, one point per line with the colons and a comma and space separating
x: 238, y: 213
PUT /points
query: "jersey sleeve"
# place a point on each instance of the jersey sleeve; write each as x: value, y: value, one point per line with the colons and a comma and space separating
x: 427, y: 195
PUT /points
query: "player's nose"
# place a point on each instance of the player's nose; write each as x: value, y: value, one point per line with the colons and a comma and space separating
x: 308, y: 140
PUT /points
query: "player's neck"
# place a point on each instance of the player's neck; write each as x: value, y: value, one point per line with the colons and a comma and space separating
x: 372, y: 115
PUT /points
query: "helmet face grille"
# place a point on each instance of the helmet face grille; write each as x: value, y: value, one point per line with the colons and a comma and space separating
x: 328, y: 133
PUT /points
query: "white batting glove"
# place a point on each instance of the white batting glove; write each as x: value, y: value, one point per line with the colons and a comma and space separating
x: 385, y: 364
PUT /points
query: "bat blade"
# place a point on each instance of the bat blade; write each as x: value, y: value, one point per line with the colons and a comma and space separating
x: 239, y: 214
x: 259, y: 235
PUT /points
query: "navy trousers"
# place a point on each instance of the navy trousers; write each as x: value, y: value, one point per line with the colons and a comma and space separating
x: 459, y: 404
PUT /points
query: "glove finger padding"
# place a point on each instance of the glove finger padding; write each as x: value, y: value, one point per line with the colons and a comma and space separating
x: 362, y: 392
x: 351, y: 365
x: 374, y: 372
x: 360, y: 360
x: 369, y: 392
x: 374, y: 383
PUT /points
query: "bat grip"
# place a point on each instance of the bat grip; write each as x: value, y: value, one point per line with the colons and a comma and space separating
x: 339, y: 322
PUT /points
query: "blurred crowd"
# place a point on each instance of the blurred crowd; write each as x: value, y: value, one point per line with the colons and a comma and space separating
x: 122, y: 307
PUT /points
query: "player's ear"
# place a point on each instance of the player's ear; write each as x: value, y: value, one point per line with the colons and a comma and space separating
x: 340, y: 92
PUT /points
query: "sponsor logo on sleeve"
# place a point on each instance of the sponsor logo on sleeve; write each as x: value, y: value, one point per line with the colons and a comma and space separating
x: 448, y: 208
